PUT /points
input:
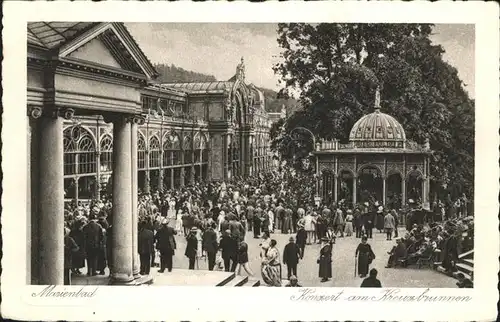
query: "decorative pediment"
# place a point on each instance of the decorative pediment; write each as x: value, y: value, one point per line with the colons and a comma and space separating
x: 95, y: 51
x: 111, y: 45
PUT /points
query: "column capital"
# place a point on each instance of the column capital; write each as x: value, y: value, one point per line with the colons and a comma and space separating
x: 36, y: 112
x: 129, y: 118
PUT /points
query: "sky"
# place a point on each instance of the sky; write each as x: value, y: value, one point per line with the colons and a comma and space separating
x: 216, y: 49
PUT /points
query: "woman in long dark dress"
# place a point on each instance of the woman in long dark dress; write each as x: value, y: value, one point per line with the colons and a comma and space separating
x: 365, y: 258
x: 78, y: 257
x: 325, y: 260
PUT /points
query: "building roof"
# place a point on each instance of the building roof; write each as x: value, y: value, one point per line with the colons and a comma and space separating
x: 373, y: 151
x: 377, y: 126
x: 200, y: 86
x: 53, y: 34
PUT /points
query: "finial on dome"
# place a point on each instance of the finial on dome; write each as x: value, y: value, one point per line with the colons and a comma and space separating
x: 377, y: 99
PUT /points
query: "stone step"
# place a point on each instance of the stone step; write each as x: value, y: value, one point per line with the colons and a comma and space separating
x: 469, y: 262
x: 252, y: 283
x: 237, y: 281
x: 469, y: 254
x: 464, y: 268
x: 465, y: 274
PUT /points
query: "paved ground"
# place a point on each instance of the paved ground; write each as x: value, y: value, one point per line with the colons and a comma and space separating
x: 343, y: 265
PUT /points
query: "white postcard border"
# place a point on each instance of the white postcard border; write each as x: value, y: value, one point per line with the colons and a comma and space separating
x: 200, y: 303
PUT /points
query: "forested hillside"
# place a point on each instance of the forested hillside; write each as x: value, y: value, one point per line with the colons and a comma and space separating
x: 174, y: 74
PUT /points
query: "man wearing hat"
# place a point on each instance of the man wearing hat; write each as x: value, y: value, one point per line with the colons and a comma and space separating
x: 301, y: 238
x: 93, y: 236
x: 389, y: 225
x: 325, y: 260
x: 397, y: 252
x: 145, y: 240
x: 192, y: 247
x: 165, y: 243
x: 291, y: 255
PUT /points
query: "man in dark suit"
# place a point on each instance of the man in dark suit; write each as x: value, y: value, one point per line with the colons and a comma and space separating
x: 291, y: 255
x: 165, y: 243
x: 371, y: 281
x: 210, y: 245
x: 368, y: 222
x: 146, y: 247
x: 192, y: 247
x: 93, y: 236
x: 229, y: 247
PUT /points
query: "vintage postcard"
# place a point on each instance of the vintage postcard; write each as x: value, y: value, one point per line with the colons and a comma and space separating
x: 240, y: 161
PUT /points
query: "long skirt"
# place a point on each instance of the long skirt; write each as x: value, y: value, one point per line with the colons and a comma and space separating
x: 102, y: 261
x: 363, y: 265
x: 325, y: 268
x: 271, y: 275
x: 348, y: 228
x: 287, y: 225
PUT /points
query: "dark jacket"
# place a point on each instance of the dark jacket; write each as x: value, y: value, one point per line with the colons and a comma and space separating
x: 93, y: 235
x: 165, y: 240
x: 291, y: 254
x: 69, y: 248
x: 191, y: 246
x: 145, y: 241
x: 209, y: 241
x: 242, y: 253
x: 371, y: 282
x: 301, y: 238
x: 228, y: 246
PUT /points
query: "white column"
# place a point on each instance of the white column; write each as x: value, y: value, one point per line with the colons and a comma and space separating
x: 135, y: 217
x: 122, y: 240
x: 354, y: 190
x: 384, y: 190
x: 51, y: 194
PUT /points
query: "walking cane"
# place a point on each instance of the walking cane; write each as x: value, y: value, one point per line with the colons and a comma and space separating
x: 355, y: 266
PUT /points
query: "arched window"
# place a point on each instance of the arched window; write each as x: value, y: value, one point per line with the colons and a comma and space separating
x: 172, y: 145
x: 204, y: 148
x: 106, y: 163
x: 187, y: 149
x: 79, y: 151
x: 167, y: 147
x: 154, y: 152
x: 197, y: 147
x: 141, y: 151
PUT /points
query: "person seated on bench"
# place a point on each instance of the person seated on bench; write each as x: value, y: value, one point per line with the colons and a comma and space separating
x: 424, y: 251
x: 397, y: 253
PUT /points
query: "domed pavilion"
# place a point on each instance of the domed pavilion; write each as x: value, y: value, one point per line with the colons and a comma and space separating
x: 378, y: 164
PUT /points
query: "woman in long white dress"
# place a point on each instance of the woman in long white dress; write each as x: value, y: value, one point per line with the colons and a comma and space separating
x: 271, y: 266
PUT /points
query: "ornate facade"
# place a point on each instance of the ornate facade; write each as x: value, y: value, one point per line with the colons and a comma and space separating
x: 378, y: 163
x: 94, y: 110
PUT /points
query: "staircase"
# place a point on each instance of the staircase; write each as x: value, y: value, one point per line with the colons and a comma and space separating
x: 236, y: 280
x: 465, y: 265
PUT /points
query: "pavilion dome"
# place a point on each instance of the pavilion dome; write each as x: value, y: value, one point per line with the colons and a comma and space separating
x: 377, y: 129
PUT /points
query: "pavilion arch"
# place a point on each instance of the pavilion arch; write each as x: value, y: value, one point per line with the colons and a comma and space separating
x: 394, y: 189
x: 328, y: 184
x: 414, y: 185
x: 369, y: 184
x: 373, y: 166
x: 141, y: 151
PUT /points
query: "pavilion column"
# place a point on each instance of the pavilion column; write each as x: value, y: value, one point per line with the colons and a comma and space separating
x: 354, y: 190
x: 98, y: 176
x: 403, y: 183
x: 182, y: 172
x: 122, y: 226
x: 51, y: 200
x: 384, y: 190
x: 160, y: 171
x: 172, y: 178
x: 135, y: 182
x: 335, y: 187
x: 147, y: 178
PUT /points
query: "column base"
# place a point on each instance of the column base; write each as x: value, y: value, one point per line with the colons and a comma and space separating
x: 136, y: 275
x: 122, y: 280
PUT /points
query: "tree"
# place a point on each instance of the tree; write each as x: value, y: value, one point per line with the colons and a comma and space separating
x: 337, y: 67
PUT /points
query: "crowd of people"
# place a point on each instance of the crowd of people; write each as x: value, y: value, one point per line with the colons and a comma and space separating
x: 215, y: 218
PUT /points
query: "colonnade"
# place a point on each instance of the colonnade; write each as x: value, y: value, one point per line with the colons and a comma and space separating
x: 49, y: 244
